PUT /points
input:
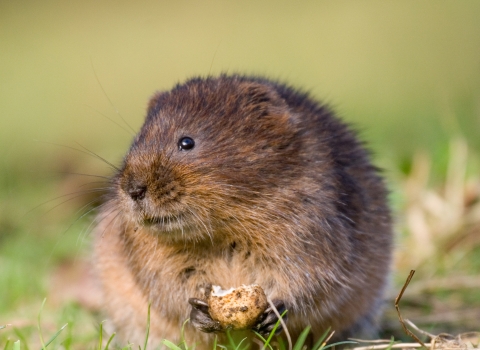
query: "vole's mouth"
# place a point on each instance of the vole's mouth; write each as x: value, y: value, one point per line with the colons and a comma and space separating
x: 154, y: 220
x: 171, y: 222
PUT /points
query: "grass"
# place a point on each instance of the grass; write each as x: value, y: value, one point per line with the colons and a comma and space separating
x: 406, y: 76
x: 439, y: 234
x: 435, y: 195
x: 43, y: 248
x: 68, y: 342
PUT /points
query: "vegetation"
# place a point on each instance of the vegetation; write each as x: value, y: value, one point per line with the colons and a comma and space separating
x: 74, y: 75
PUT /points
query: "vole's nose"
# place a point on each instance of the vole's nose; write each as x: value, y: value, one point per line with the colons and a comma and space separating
x: 136, y: 191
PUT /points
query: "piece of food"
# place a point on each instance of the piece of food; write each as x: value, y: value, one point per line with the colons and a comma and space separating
x: 237, y: 308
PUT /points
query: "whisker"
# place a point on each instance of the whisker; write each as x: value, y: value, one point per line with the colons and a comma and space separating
x: 114, y: 218
x: 113, y: 121
x: 66, y: 230
x: 96, y: 183
x: 214, y: 55
x: 74, y: 197
x: 78, y: 194
x: 89, y: 229
x: 108, y: 98
x: 210, y: 235
x: 82, y: 216
x: 82, y: 174
x: 98, y: 157
x: 85, y: 151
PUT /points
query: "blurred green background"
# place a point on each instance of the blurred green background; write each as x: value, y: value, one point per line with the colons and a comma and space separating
x: 405, y: 74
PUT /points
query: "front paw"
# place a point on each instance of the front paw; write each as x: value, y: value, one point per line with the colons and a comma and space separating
x: 269, y: 319
x: 200, y: 317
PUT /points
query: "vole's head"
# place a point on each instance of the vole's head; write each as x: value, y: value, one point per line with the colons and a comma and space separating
x: 209, y: 152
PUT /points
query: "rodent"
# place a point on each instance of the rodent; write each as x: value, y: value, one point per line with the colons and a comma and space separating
x: 242, y: 180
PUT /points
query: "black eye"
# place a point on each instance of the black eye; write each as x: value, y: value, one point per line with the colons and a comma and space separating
x: 186, y: 144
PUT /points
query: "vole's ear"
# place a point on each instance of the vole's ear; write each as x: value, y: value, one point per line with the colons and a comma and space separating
x: 155, y: 102
x: 270, y: 113
x: 263, y: 100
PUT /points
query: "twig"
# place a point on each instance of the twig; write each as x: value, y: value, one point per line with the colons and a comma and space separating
x: 449, y: 283
x: 325, y: 342
x: 274, y: 309
x: 376, y: 341
x: 414, y: 326
x: 397, y: 301
x: 390, y: 346
x: 469, y: 317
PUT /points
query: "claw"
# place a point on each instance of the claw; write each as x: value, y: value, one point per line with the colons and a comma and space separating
x: 198, y: 304
x: 200, y: 317
x: 268, y: 320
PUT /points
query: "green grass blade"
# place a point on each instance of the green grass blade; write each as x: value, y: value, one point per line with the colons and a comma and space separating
x: 182, y: 337
x: 148, y: 326
x: 38, y: 324
x: 230, y: 339
x: 100, y: 338
x: 21, y: 337
x: 6, y: 345
x: 272, y: 333
x: 170, y: 345
x: 55, y: 335
x: 266, y: 342
x: 340, y: 343
x: 16, y: 345
x: 239, y: 344
x: 260, y: 336
x: 68, y: 339
x: 281, y: 344
x: 301, y: 339
x: 109, y: 341
x: 392, y: 343
x: 247, y: 346
x: 319, y: 343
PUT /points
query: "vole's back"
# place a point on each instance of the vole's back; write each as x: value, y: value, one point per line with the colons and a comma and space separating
x: 236, y: 180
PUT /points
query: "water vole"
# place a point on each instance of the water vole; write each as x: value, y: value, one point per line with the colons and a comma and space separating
x: 238, y: 180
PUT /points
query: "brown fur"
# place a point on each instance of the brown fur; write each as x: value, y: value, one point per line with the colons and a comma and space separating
x: 276, y: 192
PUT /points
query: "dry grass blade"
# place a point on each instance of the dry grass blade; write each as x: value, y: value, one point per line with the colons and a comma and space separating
x: 447, y: 283
x: 462, y: 341
x: 287, y: 334
x: 390, y: 346
x: 446, y: 341
x: 442, y: 341
x: 397, y: 301
x: 440, y: 218
x: 414, y: 326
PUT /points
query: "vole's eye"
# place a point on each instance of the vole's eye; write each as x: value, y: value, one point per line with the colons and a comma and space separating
x: 186, y: 144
